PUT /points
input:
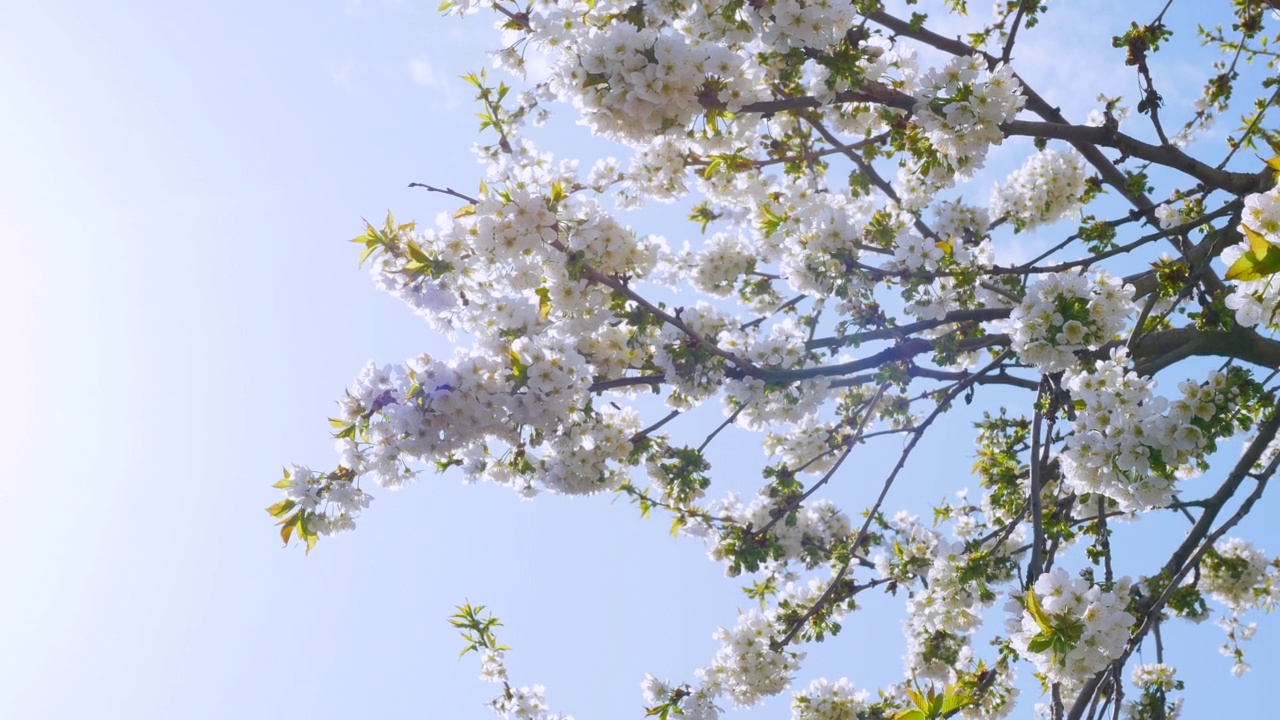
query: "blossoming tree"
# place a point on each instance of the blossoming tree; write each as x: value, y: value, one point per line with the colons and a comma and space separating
x: 838, y: 294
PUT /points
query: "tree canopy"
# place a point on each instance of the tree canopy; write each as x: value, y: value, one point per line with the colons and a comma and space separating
x: 885, y: 232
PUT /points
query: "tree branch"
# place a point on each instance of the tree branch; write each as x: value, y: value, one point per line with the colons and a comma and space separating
x: 1166, y: 155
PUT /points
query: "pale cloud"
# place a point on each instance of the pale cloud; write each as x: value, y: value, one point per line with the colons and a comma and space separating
x: 342, y: 76
x: 424, y: 74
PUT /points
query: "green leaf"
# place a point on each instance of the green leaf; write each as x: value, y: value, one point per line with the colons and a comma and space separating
x: 1261, y: 260
x: 953, y: 701
x: 1274, y: 164
x: 287, y: 526
x: 544, y: 302
x: 1040, y: 643
x: 917, y: 698
x: 282, y: 508
x: 416, y: 253
x: 305, y: 532
x: 911, y: 714
x: 1037, y: 614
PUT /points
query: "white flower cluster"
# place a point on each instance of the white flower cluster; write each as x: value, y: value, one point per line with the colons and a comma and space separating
x: 724, y: 258
x: 948, y: 292
x: 758, y: 405
x: 1047, y: 187
x: 947, y: 610
x: 825, y: 700
x: 656, y: 172
x: 1064, y: 313
x: 432, y: 411
x: 1155, y: 674
x: 914, y: 547
x: 942, y: 616
x: 1231, y: 573
x: 692, y: 371
x: 806, y: 443
x: 879, y: 60
x: 1237, y: 632
x: 1154, y: 681
x: 960, y: 108
x: 524, y: 703
x: 1091, y: 625
x: 746, y: 668
x: 336, y: 504
x: 632, y: 84
x: 818, y: 523
x: 1127, y: 442
x: 693, y: 704
x: 821, y: 241
x: 1256, y: 299
x: 786, y: 24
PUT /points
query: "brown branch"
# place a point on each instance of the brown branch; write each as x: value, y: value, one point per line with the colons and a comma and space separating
x: 955, y: 316
x: 869, y: 92
x: 445, y: 191
x: 602, y: 385
x: 1166, y: 155
x: 1158, y: 350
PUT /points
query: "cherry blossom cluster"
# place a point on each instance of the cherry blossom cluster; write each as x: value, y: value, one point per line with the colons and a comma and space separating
x: 688, y: 703
x: 1064, y: 313
x: 960, y: 108
x: 1127, y: 442
x: 944, y: 613
x: 333, y: 505
x: 879, y: 58
x: 1080, y: 629
x: 512, y: 703
x: 820, y: 241
x: 805, y: 445
x: 656, y: 172
x: 1256, y: 296
x: 1232, y: 573
x: 631, y: 83
x: 942, y: 617
x: 1154, y: 682
x: 723, y: 260
x: 522, y: 703
x: 1046, y: 188
x: 786, y: 24
x: 746, y: 668
x: 950, y: 290
x: 1237, y: 632
x: 815, y: 525
x: 826, y: 700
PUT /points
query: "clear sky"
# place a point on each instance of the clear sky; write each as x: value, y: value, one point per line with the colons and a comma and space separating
x: 181, y: 309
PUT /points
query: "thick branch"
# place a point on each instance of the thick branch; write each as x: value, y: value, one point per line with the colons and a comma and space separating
x: 1166, y: 155
x: 1158, y: 350
x: 869, y: 92
x: 901, y: 331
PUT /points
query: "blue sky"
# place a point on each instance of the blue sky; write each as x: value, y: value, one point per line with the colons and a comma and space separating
x: 177, y: 183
